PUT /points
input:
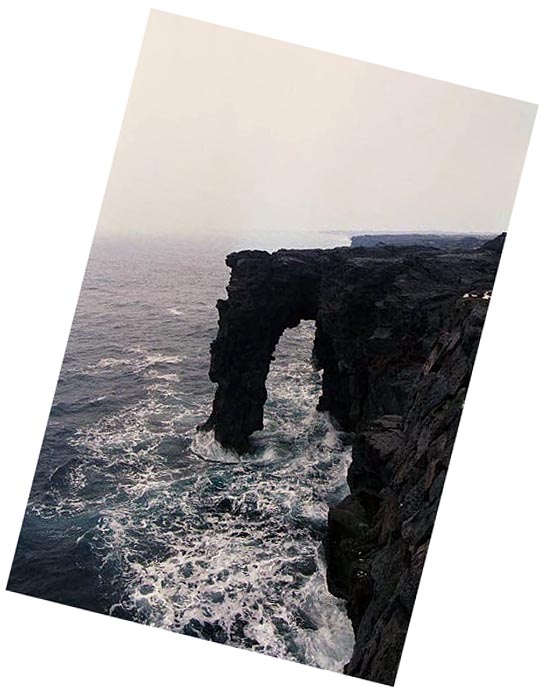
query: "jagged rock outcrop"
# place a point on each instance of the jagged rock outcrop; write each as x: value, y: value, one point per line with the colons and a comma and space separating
x: 397, y: 329
x: 496, y: 244
x: 266, y: 294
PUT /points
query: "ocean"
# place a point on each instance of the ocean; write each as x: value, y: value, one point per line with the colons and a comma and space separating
x: 135, y: 514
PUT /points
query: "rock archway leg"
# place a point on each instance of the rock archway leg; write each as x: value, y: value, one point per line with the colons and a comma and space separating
x: 266, y: 295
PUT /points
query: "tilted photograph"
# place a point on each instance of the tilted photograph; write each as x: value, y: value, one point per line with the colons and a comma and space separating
x: 272, y: 347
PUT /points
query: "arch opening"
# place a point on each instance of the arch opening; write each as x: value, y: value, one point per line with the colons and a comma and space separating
x: 294, y: 382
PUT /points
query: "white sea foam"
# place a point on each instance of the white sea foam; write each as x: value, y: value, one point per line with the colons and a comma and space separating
x: 206, y: 542
x: 174, y: 311
x: 205, y: 445
x: 484, y: 296
x: 136, y: 360
x: 241, y: 566
x: 105, y: 363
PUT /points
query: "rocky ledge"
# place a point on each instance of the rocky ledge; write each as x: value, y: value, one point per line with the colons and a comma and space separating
x: 397, y: 329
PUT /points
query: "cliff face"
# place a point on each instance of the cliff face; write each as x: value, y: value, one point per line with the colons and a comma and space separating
x: 397, y: 329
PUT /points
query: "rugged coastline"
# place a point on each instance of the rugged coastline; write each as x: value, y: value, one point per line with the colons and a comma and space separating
x: 397, y: 330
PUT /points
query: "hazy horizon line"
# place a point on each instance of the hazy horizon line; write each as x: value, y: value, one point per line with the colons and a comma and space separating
x: 306, y: 231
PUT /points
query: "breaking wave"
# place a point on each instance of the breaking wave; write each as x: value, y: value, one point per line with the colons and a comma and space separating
x: 195, y: 539
x: 135, y: 513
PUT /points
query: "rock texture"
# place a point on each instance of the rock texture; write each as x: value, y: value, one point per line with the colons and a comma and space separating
x: 397, y: 329
x: 440, y: 240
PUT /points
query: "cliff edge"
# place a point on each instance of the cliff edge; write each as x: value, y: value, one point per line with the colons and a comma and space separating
x: 397, y: 330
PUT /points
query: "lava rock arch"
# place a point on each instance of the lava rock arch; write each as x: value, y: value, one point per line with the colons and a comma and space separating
x: 267, y: 294
x: 397, y: 330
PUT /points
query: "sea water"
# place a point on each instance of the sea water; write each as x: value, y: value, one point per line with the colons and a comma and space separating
x: 135, y: 514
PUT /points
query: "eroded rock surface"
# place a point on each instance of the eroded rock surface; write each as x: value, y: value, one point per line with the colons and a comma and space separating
x: 397, y: 329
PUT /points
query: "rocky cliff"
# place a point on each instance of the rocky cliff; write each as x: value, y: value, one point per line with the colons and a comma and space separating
x: 397, y: 329
x: 444, y: 240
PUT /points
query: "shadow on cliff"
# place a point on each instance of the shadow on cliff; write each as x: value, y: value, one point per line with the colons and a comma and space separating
x: 397, y: 330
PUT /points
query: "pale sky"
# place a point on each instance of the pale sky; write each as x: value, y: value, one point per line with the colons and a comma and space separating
x: 226, y: 130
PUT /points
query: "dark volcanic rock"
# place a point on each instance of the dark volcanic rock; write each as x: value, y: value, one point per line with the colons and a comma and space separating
x: 441, y: 240
x: 266, y: 294
x: 397, y: 329
x: 496, y: 244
